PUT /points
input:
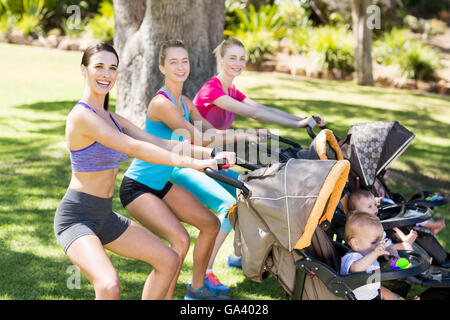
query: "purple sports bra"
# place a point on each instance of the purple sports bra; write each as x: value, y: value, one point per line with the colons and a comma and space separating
x: 96, y: 157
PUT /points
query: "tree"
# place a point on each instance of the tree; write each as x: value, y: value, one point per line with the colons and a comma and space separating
x: 363, y: 42
x: 140, y: 28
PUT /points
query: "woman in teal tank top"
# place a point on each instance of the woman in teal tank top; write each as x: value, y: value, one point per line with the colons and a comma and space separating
x: 160, y: 174
x: 215, y: 195
x: 161, y: 206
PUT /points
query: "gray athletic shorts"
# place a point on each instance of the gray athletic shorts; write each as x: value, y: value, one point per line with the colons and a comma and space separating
x: 79, y: 214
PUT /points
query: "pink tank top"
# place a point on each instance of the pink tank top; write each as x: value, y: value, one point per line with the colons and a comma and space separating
x: 219, y: 118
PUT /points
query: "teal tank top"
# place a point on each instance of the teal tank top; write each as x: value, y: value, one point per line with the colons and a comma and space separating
x: 156, y: 176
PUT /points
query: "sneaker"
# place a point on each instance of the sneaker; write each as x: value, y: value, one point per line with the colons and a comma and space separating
x: 213, y: 283
x: 204, y: 293
x: 234, y: 262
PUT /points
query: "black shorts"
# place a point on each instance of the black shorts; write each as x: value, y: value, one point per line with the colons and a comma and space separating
x: 131, y: 189
x: 79, y: 214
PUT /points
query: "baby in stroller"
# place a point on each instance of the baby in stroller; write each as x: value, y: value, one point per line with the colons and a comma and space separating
x: 362, y: 200
x: 364, y: 235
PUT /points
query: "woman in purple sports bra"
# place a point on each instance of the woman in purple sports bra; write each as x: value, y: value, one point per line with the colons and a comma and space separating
x: 84, y: 222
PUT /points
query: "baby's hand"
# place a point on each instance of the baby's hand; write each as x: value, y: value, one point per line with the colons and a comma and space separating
x: 378, y: 201
x: 412, y: 236
x: 380, y: 249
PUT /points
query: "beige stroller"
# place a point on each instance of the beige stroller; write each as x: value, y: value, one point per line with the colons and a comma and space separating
x: 280, y: 220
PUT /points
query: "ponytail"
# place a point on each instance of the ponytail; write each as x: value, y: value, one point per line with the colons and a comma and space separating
x: 106, y: 103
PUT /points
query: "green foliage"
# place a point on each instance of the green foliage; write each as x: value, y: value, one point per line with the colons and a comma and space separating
x: 387, y: 48
x: 334, y: 47
x: 12, y: 6
x: 101, y: 27
x: 7, y: 20
x: 33, y: 13
x: 415, y: 60
x: 231, y: 18
x: 259, y: 31
x: 418, y: 61
x: 295, y: 16
x: 299, y: 39
x: 72, y: 31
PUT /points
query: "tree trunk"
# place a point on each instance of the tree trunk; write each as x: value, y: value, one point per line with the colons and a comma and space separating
x: 363, y: 42
x: 140, y: 28
x: 316, y: 8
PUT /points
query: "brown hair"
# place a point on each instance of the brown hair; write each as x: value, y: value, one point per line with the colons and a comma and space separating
x: 225, y: 45
x: 89, y: 52
x: 355, y: 196
x: 166, y: 45
x: 356, y: 220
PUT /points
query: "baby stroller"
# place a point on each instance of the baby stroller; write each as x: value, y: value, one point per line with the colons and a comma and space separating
x: 282, y: 211
x: 371, y: 147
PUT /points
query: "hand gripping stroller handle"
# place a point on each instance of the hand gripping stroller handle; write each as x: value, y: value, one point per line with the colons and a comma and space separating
x: 242, y: 163
x: 226, y: 179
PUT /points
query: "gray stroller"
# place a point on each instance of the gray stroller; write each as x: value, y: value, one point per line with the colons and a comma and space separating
x: 282, y: 213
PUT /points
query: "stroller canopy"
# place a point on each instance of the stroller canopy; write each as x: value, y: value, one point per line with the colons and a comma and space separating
x: 371, y: 147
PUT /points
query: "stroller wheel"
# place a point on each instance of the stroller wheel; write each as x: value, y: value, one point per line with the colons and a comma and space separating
x: 441, y: 294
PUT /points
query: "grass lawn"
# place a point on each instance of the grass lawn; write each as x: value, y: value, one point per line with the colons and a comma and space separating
x: 40, y: 86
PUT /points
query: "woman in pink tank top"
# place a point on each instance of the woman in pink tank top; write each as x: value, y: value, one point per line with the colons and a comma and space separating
x: 218, y: 100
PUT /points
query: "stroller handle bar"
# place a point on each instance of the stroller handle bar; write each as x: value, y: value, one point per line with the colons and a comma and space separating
x: 309, y: 130
x: 244, y: 164
x: 226, y: 179
x: 284, y: 140
x: 259, y: 148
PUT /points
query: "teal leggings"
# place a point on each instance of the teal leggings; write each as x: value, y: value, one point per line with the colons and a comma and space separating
x: 215, y: 195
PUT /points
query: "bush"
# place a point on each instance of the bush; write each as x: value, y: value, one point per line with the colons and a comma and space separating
x: 101, y: 27
x: 334, y: 47
x: 415, y: 60
x: 259, y: 31
x: 418, y: 61
x: 32, y: 16
x: 299, y: 39
x: 72, y: 31
x: 298, y: 24
x: 294, y: 15
x: 7, y: 19
x: 25, y: 15
x: 387, y: 48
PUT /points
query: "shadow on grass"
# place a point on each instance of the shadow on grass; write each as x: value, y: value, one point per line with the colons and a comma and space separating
x: 248, y: 289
